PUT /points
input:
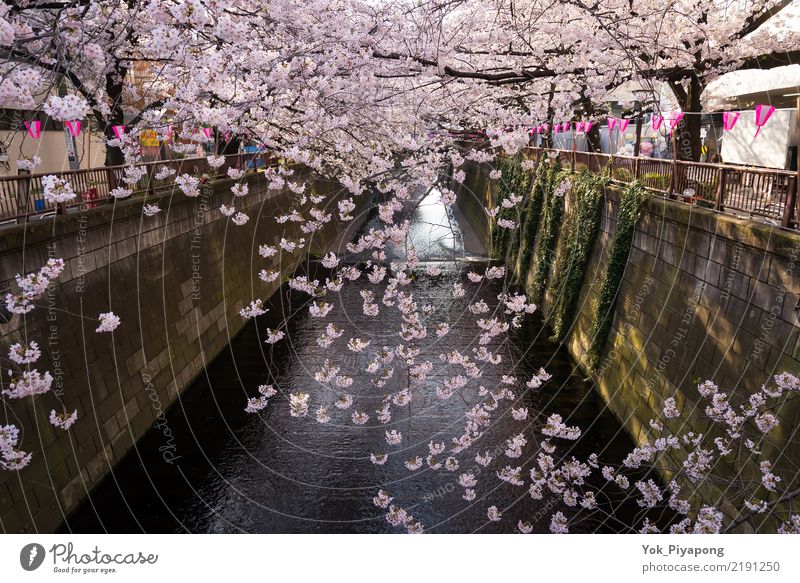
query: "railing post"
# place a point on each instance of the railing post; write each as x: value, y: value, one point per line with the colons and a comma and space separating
x: 720, y: 202
x: 150, y: 186
x: 636, y: 170
x: 790, y: 209
x: 672, y: 177
x: 23, y: 195
x: 111, y: 180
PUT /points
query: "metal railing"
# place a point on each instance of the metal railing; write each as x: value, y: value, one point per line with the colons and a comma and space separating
x: 22, y: 196
x: 757, y: 192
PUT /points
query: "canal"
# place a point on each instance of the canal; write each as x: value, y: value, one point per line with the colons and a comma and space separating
x: 270, y: 472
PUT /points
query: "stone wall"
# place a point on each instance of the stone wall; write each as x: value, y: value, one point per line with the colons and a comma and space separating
x: 704, y: 296
x: 177, y: 281
x: 473, y: 194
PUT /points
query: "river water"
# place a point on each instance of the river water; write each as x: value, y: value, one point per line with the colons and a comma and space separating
x: 270, y: 472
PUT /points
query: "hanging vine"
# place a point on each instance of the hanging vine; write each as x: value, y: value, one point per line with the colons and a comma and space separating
x: 576, y: 243
x: 551, y: 222
x: 631, y: 203
x: 514, y: 180
x: 523, y: 188
x: 531, y: 216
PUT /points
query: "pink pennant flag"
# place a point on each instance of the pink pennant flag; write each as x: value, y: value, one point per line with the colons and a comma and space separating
x: 227, y: 137
x: 565, y: 126
x: 656, y: 121
x: 119, y: 131
x: 674, y: 120
x: 612, y: 121
x: 207, y: 132
x: 74, y: 127
x: 729, y: 119
x: 578, y: 126
x: 34, y: 128
x: 762, y: 116
x: 587, y: 126
x: 623, y: 124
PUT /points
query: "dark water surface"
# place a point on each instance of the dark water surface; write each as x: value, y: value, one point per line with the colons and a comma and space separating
x: 269, y: 472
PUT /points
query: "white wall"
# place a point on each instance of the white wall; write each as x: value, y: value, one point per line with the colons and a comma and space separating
x: 770, y: 148
x: 51, y: 147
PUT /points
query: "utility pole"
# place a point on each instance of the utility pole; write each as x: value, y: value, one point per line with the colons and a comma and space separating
x: 638, y: 143
x: 790, y: 213
x: 72, y: 150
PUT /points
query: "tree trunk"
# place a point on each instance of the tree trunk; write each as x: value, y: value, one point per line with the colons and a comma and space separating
x: 114, y: 156
x: 547, y: 137
x: 687, y: 135
x: 593, y: 138
x: 225, y: 148
x: 114, y: 83
x: 593, y: 135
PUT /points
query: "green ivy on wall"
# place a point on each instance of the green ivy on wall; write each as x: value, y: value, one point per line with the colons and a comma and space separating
x: 631, y: 203
x: 576, y: 243
x: 499, y: 234
x: 550, y: 224
x: 519, y: 184
x: 529, y: 225
x: 514, y: 180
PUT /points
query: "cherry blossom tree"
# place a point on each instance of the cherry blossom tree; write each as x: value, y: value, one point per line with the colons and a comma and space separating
x: 344, y: 79
x: 375, y: 96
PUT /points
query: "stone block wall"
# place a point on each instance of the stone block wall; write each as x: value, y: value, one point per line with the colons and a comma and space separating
x: 704, y: 296
x: 176, y: 280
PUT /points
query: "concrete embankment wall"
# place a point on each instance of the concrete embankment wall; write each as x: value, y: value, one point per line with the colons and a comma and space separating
x: 704, y: 296
x: 177, y: 281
